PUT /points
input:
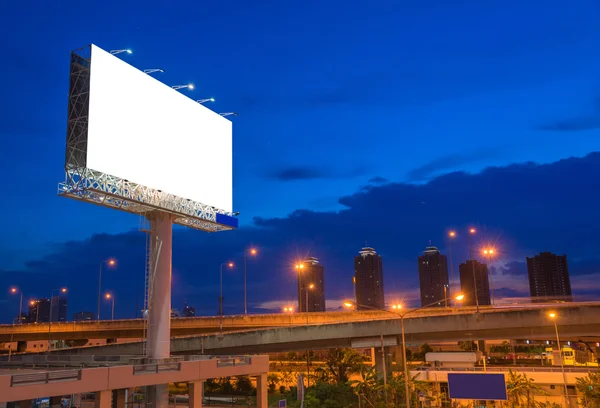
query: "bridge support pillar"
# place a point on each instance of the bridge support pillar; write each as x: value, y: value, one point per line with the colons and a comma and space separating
x: 262, y: 388
x: 119, y: 399
x: 103, y: 399
x: 159, y: 300
x: 382, y: 361
x: 25, y: 404
x: 76, y: 400
x: 195, y: 394
x: 55, y: 402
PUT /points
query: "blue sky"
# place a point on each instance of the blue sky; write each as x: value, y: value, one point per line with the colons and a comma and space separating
x: 331, y: 95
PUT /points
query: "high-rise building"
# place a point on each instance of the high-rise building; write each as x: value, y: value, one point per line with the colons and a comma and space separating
x: 83, y: 316
x: 368, y: 280
x: 549, y: 277
x: 39, y: 311
x: 59, y: 308
x: 311, y: 281
x: 433, y: 277
x: 188, y: 311
x: 481, y: 279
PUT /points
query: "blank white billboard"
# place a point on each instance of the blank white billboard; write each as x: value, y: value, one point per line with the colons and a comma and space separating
x: 142, y: 130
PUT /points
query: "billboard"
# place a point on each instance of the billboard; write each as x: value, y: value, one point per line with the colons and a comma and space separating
x: 477, y: 386
x: 145, y: 132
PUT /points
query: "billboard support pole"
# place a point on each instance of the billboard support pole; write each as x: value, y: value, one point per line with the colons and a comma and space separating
x: 159, y: 311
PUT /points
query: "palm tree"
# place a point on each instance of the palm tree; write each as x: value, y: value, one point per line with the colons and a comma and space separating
x: 340, y: 363
x: 589, y: 388
x: 521, y: 390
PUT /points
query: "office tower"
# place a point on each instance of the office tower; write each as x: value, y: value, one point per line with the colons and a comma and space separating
x: 188, y: 311
x: 433, y: 277
x: 466, y: 271
x: 39, y: 311
x: 83, y: 316
x: 59, y: 307
x: 368, y: 280
x: 549, y: 277
x: 311, y: 280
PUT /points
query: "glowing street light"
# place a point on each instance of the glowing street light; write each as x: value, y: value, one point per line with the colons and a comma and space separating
x: 109, y: 296
x: 288, y: 309
x: 229, y: 114
x: 206, y: 100
x: 14, y: 291
x: 188, y: 86
x: 472, y: 232
x: 127, y: 50
x: 253, y: 252
x: 489, y: 253
x: 153, y: 70
x: 110, y: 263
x: 396, y: 306
x: 451, y: 236
x: 554, y: 317
x: 229, y: 265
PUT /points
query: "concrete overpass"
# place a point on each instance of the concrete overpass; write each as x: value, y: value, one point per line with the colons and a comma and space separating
x: 576, y: 321
x: 135, y: 328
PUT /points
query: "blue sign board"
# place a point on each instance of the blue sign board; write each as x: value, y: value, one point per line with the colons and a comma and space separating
x: 282, y: 403
x: 477, y: 386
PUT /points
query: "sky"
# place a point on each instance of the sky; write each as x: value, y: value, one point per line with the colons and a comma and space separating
x: 380, y: 122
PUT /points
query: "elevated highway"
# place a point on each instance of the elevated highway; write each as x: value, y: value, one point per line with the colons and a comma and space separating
x: 576, y: 321
x: 135, y: 328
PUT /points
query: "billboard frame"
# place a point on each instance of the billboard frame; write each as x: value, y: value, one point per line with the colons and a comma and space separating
x: 85, y: 184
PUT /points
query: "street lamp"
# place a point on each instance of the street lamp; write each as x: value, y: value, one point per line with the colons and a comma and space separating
x: 229, y: 114
x: 109, y: 296
x: 62, y: 290
x: 127, y: 50
x: 489, y: 253
x: 15, y: 291
x: 253, y: 252
x: 396, y: 307
x: 206, y: 100
x: 288, y: 309
x: 472, y: 232
x: 110, y: 263
x: 554, y: 317
x: 188, y: 86
x: 153, y: 70
x: 230, y: 265
x: 451, y: 236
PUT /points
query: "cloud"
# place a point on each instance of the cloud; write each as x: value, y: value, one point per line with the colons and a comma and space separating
x: 297, y: 173
x: 577, y: 123
x: 450, y: 162
x: 523, y: 208
x: 378, y: 180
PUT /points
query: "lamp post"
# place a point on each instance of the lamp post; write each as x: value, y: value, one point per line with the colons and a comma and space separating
x: 230, y: 265
x: 14, y: 291
x: 489, y: 253
x: 396, y: 307
x: 451, y: 236
x: 206, y: 100
x: 554, y: 317
x: 115, y: 52
x: 110, y: 297
x: 109, y: 262
x: 471, y: 233
x: 253, y: 252
x: 62, y: 290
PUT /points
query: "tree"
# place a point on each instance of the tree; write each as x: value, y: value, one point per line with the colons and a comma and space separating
x: 244, y: 386
x: 589, y: 389
x: 521, y: 390
x: 340, y: 363
x: 273, y: 379
x: 423, y: 349
x: 467, y: 345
